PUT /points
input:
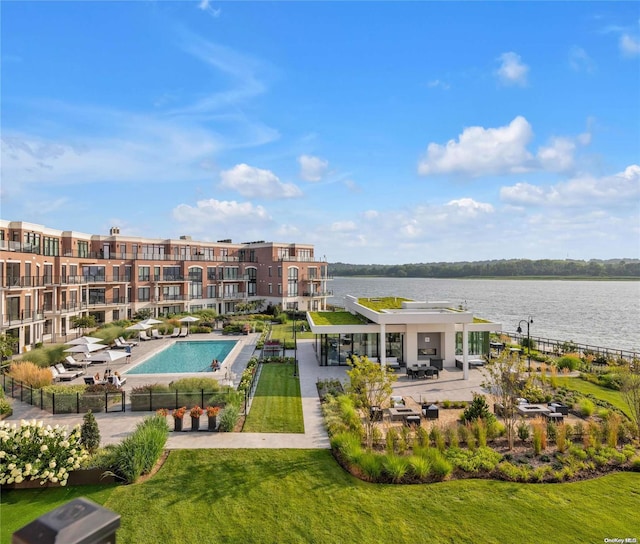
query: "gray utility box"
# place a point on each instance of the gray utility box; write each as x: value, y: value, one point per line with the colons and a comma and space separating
x: 80, y: 521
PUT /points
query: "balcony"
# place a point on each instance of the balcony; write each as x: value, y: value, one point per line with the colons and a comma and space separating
x: 317, y: 294
x: 23, y: 316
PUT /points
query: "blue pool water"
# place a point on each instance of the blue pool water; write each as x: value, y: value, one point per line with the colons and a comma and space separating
x: 185, y: 357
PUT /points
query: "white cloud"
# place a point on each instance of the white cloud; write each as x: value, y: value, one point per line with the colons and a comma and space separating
x: 219, y: 212
x: 437, y: 83
x: 580, y: 61
x: 558, y: 156
x: 512, y: 70
x: 481, y: 151
x: 620, y: 189
x: 629, y: 45
x: 312, y: 168
x: 205, y: 5
x: 468, y: 207
x: 255, y: 182
x: 343, y: 226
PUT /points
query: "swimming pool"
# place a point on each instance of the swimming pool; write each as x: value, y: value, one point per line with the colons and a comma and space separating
x: 185, y: 356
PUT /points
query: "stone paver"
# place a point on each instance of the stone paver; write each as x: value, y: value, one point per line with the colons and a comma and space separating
x: 115, y: 426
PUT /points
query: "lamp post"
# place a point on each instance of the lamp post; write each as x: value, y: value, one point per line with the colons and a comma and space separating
x: 528, y: 321
x: 295, y: 345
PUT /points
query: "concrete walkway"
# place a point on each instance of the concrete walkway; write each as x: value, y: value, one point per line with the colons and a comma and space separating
x: 116, y: 426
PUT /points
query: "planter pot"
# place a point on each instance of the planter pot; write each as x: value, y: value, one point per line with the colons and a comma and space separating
x: 177, y: 424
x: 213, y: 423
x: 195, y: 423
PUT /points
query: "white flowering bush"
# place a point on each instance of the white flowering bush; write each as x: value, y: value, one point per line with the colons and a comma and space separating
x: 38, y: 452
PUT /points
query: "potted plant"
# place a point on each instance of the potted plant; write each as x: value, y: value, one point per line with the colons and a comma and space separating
x: 195, y: 414
x: 178, y: 414
x: 212, y: 414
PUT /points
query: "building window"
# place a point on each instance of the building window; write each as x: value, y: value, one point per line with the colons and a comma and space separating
x: 171, y: 273
x: 83, y: 249
x: 270, y: 271
x: 279, y: 288
x: 211, y: 291
x: 96, y: 296
x: 292, y: 283
x: 211, y: 272
x: 144, y: 294
x: 271, y: 288
x: 195, y: 290
x: 144, y: 273
x: 252, y: 286
x: 93, y: 273
x: 195, y: 274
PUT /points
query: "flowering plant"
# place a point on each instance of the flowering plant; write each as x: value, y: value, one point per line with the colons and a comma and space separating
x: 39, y: 453
x: 213, y: 410
x: 162, y: 412
x: 196, y: 411
x: 179, y: 412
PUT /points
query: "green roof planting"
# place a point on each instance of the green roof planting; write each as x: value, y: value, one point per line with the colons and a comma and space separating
x: 336, y: 318
x: 377, y: 304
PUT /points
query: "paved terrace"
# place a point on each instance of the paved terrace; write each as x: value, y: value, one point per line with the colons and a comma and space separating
x: 116, y: 426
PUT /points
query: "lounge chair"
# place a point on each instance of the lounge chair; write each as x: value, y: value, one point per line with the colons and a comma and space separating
x: 184, y: 331
x: 175, y: 333
x: 155, y: 334
x: 120, y: 345
x: 72, y: 362
x: 57, y: 376
x: 130, y: 342
x: 143, y: 336
x: 62, y: 370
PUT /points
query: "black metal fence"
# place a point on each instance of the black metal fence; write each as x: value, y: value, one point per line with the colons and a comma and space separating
x: 64, y: 403
x: 558, y: 347
x: 149, y: 401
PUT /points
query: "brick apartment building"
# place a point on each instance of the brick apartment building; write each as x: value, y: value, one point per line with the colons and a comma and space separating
x: 48, y: 276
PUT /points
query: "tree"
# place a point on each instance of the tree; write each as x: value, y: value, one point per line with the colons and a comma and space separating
x: 370, y: 385
x: 7, y: 346
x: 90, y: 432
x: 83, y: 322
x: 630, y: 390
x: 505, y: 380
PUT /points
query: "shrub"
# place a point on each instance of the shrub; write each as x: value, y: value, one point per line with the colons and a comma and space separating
x: 30, y: 374
x: 90, y: 432
x: 562, y: 434
x: 34, y: 451
x: 5, y: 406
x: 195, y: 384
x: 392, y: 440
x: 440, y: 466
x: 483, y: 459
x: 371, y: 465
x: 229, y: 418
x: 349, y: 446
x: 477, y: 409
x: 571, y: 362
x: 586, y: 407
x: 138, y: 453
x: 523, y: 431
x: 635, y: 464
x: 419, y: 466
x: 395, y: 467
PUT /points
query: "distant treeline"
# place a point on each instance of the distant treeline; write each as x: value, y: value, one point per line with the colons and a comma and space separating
x: 613, y: 268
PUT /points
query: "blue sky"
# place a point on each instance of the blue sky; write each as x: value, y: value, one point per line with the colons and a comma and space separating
x: 380, y: 132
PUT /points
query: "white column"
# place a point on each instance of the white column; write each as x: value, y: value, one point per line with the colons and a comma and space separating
x: 383, y: 345
x: 465, y: 352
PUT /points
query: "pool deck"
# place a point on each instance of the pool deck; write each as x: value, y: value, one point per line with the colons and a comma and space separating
x: 116, y: 426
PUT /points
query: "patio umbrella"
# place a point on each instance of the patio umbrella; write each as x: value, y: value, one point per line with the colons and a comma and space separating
x: 188, y: 320
x: 85, y: 340
x: 140, y: 326
x: 150, y: 322
x: 108, y: 356
x: 85, y: 348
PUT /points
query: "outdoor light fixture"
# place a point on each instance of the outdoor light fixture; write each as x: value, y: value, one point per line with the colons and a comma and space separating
x: 528, y: 321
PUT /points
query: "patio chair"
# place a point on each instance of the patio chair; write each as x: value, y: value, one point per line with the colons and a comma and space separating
x: 90, y: 380
x: 120, y: 345
x: 175, y: 333
x: 143, y: 336
x: 184, y: 331
x: 114, y: 380
x: 65, y: 371
x: 57, y: 376
x: 130, y: 342
x: 156, y: 334
x: 72, y: 362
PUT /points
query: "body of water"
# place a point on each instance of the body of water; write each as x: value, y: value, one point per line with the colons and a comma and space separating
x: 185, y: 357
x: 599, y: 313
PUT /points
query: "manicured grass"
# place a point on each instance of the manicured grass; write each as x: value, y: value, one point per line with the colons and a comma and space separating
x: 285, y: 332
x: 19, y: 508
x: 336, y: 318
x: 582, y: 386
x: 382, y: 303
x: 274, y: 496
x: 276, y: 406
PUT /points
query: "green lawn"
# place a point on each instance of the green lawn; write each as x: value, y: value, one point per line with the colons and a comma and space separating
x: 276, y: 406
x: 285, y: 332
x: 275, y: 496
x: 582, y: 386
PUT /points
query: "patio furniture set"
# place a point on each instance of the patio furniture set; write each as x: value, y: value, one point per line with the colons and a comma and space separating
x: 422, y: 371
x: 553, y: 411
